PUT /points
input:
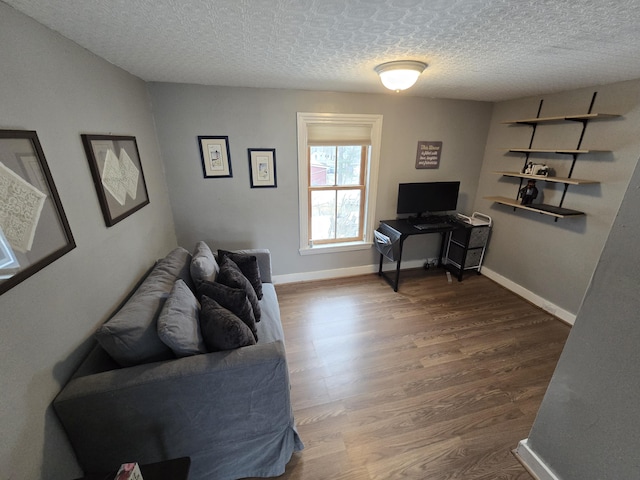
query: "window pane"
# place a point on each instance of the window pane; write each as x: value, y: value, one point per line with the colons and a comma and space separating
x: 323, y: 165
x: 349, y: 164
x: 323, y: 215
x: 348, y: 222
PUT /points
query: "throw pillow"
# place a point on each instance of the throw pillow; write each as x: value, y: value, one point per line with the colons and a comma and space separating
x: 233, y: 299
x: 221, y: 329
x: 248, y: 265
x: 203, y: 264
x: 231, y: 276
x: 130, y: 337
x: 178, y: 324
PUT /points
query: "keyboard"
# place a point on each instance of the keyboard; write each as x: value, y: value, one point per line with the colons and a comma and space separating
x: 432, y: 226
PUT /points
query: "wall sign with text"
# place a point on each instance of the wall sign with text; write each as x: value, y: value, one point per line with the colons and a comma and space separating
x: 428, y: 155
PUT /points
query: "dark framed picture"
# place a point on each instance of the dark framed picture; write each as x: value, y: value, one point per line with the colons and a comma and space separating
x: 117, y: 175
x: 216, y: 159
x: 34, y: 230
x: 262, y: 167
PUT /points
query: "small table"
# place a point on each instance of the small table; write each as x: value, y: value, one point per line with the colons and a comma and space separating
x: 405, y: 230
x: 176, y: 469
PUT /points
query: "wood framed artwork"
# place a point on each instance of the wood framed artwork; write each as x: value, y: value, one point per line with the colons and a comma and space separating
x: 216, y: 159
x: 34, y: 230
x: 117, y: 175
x: 262, y: 167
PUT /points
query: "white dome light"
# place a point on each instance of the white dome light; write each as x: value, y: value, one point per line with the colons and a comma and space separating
x: 401, y: 74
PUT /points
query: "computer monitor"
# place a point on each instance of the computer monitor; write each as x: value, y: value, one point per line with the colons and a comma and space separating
x: 427, y: 197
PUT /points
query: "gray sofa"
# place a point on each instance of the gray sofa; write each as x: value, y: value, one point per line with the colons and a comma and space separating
x: 229, y: 411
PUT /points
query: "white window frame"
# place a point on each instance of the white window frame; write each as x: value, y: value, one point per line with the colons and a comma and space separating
x: 371, y: 180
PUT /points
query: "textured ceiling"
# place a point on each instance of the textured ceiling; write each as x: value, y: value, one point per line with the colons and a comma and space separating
x: 476, y: 49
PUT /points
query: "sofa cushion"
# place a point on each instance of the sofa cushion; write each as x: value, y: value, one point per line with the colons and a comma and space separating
x: 203, y: 265
x: 221, y: 329
x: 178, y: 323
x: 248, y: 265
x: 233, y: 299
x: 231, y: 276
x: 130, y: 337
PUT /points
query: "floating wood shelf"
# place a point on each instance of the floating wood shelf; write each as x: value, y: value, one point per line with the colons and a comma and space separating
x: 556, y: 150
x: 551, y: 210
x: 576, y: 118
x: 567, y: 180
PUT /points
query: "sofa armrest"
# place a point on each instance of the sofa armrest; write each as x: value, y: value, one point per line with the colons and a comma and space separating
x: 264, y: 262
x: 176, y: 408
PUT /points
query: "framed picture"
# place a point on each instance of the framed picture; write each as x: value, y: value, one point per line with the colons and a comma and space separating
x: 117, y: 175
x: 262, y: 167
x: 216, y: 160
x: 34, y: 230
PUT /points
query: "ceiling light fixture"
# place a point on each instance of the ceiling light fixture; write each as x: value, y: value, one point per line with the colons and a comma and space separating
x: 400, y: 74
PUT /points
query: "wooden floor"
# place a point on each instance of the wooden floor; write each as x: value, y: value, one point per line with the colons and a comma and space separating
x: 438, y: 381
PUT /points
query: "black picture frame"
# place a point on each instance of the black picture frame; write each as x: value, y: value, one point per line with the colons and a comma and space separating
x: 34, y: 230
x: 262, y: 167
x: 215, y: 156
x: 117, y: 174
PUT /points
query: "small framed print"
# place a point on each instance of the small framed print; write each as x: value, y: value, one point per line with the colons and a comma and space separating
x: 216, y: 160
x: 262, y: 167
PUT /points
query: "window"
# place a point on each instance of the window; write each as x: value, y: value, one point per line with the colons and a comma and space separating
x: 338, y: 168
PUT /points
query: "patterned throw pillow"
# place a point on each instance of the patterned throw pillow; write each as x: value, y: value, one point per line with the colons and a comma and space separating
x: 231, y: 276
x: 233, y: 299
x: 221, y: 329
x: 248, y: 265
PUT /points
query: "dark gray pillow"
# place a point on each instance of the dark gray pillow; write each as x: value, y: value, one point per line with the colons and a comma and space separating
x: 248, y: 265
x: 178, y: 324
x: 231, y: 276
x: 221, y: 329
x: 203, y: 264
x: 233, y: 299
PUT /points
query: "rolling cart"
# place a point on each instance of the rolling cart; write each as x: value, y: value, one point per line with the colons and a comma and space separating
x: 466, y: 245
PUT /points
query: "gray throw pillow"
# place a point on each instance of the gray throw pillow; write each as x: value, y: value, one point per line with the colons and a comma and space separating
x: 231, y: 276
x: 221, y: 329
x: 179, y: 325
x: 233, y: 299
x: 248, y: 265
x: 130, y: 337
x: 203, y: 264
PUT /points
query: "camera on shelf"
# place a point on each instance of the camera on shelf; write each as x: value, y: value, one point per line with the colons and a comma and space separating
x: 537, y: 169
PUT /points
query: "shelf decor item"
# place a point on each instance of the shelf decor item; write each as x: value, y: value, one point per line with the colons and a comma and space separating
x: 117, y: 175
x: 262, y: 167
x: 216, y: 159
x: 34, y: 230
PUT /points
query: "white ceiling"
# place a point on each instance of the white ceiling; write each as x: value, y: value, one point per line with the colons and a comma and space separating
x: 476, y: 49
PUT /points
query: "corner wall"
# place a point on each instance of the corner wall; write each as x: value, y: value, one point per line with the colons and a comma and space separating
x: 53, y: 86
x: 547, y: 260
x: 587, y: 425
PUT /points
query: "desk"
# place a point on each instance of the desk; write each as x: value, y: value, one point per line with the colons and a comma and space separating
x: 405, y: 230
x: 176, y: 469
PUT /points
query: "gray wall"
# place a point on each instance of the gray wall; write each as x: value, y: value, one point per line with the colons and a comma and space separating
x: 556, y: 260
x: 587, y: 425
x: 229, y: 214
x: 50, y: 85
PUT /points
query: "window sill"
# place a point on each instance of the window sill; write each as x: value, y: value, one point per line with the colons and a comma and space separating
x: 335, y: 248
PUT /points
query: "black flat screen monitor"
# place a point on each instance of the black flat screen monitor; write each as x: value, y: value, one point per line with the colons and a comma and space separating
x: 427, y: 197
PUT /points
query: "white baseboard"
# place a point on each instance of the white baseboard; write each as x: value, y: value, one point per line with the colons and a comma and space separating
x: 537, y: 300
x: 528, y: 295
x: 342, y: 272
x: 533, y: 463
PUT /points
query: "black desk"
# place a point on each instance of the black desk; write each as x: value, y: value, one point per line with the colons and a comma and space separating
x: 406, y: 229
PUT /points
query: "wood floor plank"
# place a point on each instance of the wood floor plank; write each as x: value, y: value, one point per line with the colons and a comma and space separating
x: 437, y: 381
